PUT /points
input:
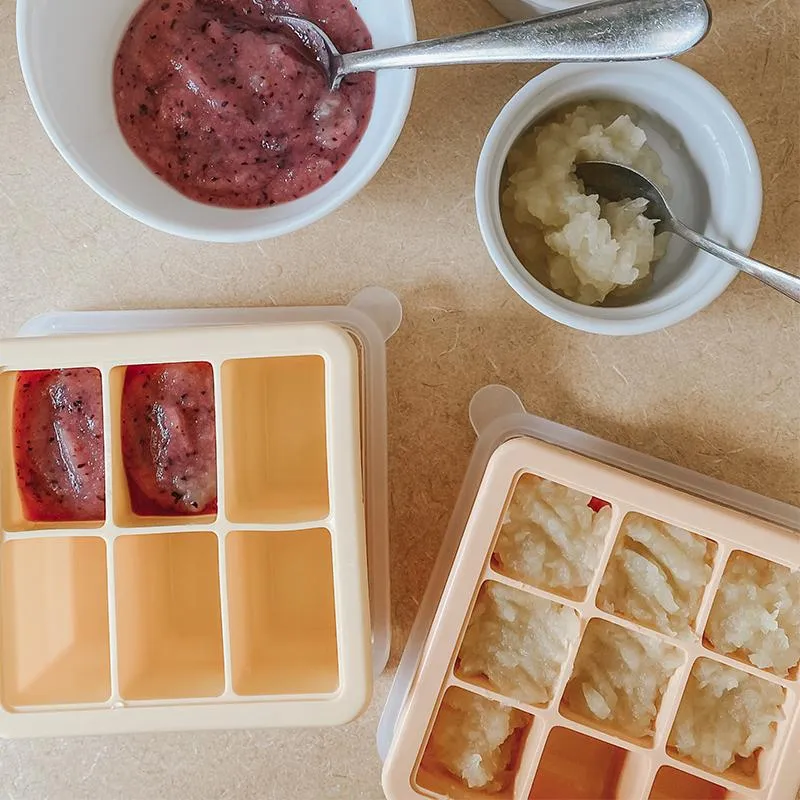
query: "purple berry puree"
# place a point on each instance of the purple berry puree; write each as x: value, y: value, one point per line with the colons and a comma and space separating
x: 233, y: 117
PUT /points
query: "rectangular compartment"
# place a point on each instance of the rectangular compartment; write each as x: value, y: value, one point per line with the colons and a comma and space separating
x: 460, y: 761
x: 505, y: 628
x: 131, y: 507
x: 577, y: 767
x: 276, y: 454
x: 551, y: 536
x: 282, y: 612
x: 674, y: 784
x: 765, y: 624
x: 654, y: 559
x: 169, y: 625
x: 619, y: 680
x: 12, y: 513
x: 55, y: 632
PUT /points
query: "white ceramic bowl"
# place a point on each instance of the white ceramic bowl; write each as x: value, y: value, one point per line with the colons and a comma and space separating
x: 708, y: 157
x: 67, y: 50
x: 525, y: 9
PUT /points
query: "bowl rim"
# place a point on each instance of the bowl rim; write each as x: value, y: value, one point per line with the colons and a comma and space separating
x: 392, y: 129
x: 653, y: 314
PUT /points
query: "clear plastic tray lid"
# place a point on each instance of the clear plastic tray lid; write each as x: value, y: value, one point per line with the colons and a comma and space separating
x: 497, y: 415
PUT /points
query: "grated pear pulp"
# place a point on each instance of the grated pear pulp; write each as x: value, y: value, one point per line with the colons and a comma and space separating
x: 474, y: 739
x: 756, y: 613
x: 518, y: 642
x: 620, y: 677
x: 550, y: 537
x: 725, y: 714
x: 576, y: 243
x: 657, y: 575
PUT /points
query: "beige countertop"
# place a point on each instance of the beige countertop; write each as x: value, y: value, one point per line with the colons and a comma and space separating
x: 719, y: 393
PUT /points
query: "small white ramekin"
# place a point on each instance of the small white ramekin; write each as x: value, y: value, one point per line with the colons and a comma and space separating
x: 708, y: 156
x: 67, y: 50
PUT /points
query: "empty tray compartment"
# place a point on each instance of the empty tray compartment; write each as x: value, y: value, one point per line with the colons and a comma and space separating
x: 474, y: 749
x: 276, y: 455
x: 675, y: 784
x: 52, y: 450
x: 169, y: 629
x: 578, y: 767
x: 163, y: 449
x: 282, y: 612
x: 55, y: 641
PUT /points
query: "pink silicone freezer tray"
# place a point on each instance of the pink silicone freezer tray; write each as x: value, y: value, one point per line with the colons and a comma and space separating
x: 563, y: 755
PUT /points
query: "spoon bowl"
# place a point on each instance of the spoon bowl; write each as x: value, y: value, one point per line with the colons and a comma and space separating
x: 615, y: 182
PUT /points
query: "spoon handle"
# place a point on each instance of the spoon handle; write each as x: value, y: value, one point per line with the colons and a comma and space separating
x: 784, y: 282
x: 611, y: 30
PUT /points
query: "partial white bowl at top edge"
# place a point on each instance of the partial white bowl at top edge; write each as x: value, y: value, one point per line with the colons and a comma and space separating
x: 67, y: 50
x: 707, y: 155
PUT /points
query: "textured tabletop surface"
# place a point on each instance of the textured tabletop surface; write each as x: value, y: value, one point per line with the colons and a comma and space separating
x: 719, y: 393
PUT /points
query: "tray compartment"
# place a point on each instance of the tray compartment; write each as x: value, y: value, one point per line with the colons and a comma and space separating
x: 577, y: 767
x: 14, y: 517
x: 674, y: 784
x: 276, y: 458
x: 55, y: 630
x: 132, y: 507
x: 169, y: 629
x: 282, y: 612
x: 455, y: 738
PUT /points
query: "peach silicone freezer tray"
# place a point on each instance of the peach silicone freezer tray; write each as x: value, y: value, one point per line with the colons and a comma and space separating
x: 561, y: 753
x: 254, y: 616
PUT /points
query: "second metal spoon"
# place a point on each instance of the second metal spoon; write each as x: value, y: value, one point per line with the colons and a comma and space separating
x: 616, y: 182
x: 612, y: 30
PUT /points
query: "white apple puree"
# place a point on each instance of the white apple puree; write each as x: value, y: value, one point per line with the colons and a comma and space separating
x: 550, y: 537
x: 657, y: 575
x: 756, y: 613
x: 473, y: 739
x: 518, y: 643
x: 580, y: 245
x: 620, y: 677
x: 725, y: 714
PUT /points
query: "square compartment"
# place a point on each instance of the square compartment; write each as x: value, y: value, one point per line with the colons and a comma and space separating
x: 55, y: 641
x: 577, y: 767
x: 674, y: 784
x: 605, y: 677
x: 466, y: 713
x: 506, y: 627
x: 709, y: 691
x: 169, y: 627
x: 777, y: 602
x: 282, y: 612
x: 276, y: 454
x: 649, y: 557
x: 132, y: 508
x: 14, y: 517
x: 552, y: 537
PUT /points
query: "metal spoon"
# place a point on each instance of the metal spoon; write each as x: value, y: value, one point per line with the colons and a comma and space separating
x: 612, y: 30
x: 615, y: 182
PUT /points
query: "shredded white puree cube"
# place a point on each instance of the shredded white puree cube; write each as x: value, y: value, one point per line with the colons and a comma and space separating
x: 579, y: 244
x: 550, y: 537
x: 518, y: 642
x: 657, y: 575
x: 756, y: 613
x: 473, y: 739
x: 725, y: 714
x: 620, y: 677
